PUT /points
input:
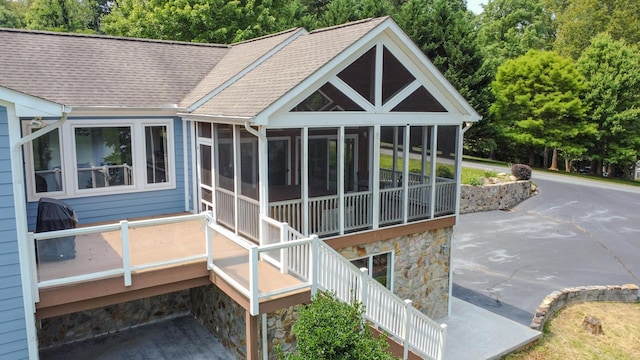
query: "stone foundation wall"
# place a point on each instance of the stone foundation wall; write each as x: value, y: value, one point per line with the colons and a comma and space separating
x: 95, y: 322
x: 279, y: 331
x: 559, y: 299
x: 222, y: 316
x: 421, y: 267
x: 494, y: 196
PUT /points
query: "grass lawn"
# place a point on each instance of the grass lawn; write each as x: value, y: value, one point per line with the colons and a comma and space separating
x: 564, y: 337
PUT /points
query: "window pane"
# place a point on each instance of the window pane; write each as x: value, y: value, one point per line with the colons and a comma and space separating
x: 204, y: 130
x: 46, y: 162
x: 205, y: 164
x: 157, y: 154
x: 103, y: 156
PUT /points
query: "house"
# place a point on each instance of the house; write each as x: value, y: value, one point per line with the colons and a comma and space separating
x: 292, y: 147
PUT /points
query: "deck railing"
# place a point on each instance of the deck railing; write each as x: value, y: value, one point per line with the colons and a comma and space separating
x: 116, y: 256
x: 383, y: 309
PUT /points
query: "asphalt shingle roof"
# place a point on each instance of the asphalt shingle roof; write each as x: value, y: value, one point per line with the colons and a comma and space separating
x: 280, y: 73
x: 81, y: 70
x: 100, y: 71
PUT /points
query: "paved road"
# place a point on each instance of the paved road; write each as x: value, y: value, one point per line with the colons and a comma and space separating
x: 573, y: 233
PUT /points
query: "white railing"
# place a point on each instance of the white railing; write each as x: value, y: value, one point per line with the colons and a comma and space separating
x: 323, y: 215
x: 419, y: 201
x: 254, y: 253
x: 383, y: 309
x: 358, y: 210
x: 125, y: 267
x: 225, y: 207
x: 289, y: 211
x: 249, y: 216
x: 390, y: 205
x: 445, y: 196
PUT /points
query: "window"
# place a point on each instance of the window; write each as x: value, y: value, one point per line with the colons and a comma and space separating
x: 379, y: 267
x: 89, y: 158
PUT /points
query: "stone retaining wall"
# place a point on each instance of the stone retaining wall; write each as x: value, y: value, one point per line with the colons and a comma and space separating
x: 559, y: 299
x: 494, y: 196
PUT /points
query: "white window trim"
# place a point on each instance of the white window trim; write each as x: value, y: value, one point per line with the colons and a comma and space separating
x: 390, y: 266
x: 69, y: 163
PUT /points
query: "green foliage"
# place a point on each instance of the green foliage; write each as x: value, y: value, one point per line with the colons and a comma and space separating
x: 60, y: 15
x: 342, y: 11
x: 215, y: 21
x: 521, y: 171
x: 581, y: 20
x: 612, y: 72
x: 12, y: 13
x: 444, y: 171
x: 330, y: 329
x: 538, y: 103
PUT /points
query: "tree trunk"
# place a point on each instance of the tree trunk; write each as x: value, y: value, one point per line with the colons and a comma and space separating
x: 554, y: 160
x: 567, y: 165
x: 545, y: 161
x: 532, y: 157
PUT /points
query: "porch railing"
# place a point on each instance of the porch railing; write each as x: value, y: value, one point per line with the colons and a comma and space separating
x: 115, y: 260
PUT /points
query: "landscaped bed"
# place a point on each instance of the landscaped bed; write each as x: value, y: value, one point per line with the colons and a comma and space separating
x: 566, y: 338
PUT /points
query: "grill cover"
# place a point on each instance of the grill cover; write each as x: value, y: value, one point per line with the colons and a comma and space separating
x: 55, y: 215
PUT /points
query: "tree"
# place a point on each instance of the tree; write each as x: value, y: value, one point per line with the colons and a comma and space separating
x: 216, y: 21
x: 330, y: 329
x: 445, y: 31
x: 342, y: 11
x: 538, y: 103
x: 11, y: 14
x: 60, y: 15
x: 580, y: 20
x: 612, y: 72
x: 510, y: 28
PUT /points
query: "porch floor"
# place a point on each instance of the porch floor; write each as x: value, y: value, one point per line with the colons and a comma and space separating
x: 152, y: 244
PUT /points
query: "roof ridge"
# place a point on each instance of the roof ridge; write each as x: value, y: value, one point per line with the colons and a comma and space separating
x: 291, y: 30
x: 109, y: 37
x: 357, y: 22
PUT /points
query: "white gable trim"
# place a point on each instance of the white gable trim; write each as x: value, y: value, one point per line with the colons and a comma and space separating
x: 247, y: 70
x: 389, y: 34
x: 27, y: 105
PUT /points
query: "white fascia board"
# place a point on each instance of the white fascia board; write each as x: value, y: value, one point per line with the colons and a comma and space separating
x: 26, y: 105
x: 323, y: 74
x: 218, y: 119
x: 404, y: 38
x: 361, y: 118
x: 86, y: 111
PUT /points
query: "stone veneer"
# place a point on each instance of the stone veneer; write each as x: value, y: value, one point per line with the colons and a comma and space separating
x: 421, y: 267
x: 95, y: 322
x: 222, y: 316
x: 494, y: 196
x: 279, y: 331
x: 559, y: 299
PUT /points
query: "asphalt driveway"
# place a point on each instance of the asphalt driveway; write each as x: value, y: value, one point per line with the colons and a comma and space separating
x: 573, y: 233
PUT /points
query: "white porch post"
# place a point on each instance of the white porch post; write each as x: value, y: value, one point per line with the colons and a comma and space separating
x: 263, y: 178
x: 432, y: 180
x: 405, y: 174
x: 458, y: 163
x: 304, y: 179
x: 340, y: 164
x: 375, y: 178
x: 394, y: 173
x: 236, y: 175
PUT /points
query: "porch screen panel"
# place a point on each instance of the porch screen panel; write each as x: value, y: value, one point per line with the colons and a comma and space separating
x: 157, y: 154
x: 103, y: 156
x: 419, y: 173
x: 224, y: 159
x: 47, y: 162
x: 323, y: 181
x: 391, y: 190
x: 206, y: 192
x: 447, y: 144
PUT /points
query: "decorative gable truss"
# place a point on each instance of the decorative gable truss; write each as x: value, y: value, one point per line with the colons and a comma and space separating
x: 375, y: 82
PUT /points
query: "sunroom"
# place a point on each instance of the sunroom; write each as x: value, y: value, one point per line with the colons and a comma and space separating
x: 372, y: 146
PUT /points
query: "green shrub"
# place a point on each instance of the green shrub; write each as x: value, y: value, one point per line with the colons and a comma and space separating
x: 328, y: 329
x: 444, y: 171
x: 476, y: 182
x: 521, y: 171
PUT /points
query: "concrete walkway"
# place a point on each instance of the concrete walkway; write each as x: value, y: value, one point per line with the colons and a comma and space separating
x: 475, y: 333
x: 182, y: 338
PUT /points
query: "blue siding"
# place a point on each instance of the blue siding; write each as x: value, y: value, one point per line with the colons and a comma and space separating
x: 129, y: 205
x: 13, y: 333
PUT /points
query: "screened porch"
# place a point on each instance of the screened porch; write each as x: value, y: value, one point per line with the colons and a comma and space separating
x: 327, y: 181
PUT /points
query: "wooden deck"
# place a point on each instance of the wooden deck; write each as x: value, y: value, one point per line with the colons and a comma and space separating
x: 154, y: 244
